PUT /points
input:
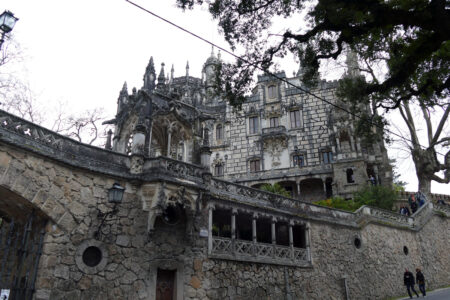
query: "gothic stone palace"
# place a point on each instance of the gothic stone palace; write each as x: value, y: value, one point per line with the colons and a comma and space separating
x: 281, y: 134
x: 171, y: 210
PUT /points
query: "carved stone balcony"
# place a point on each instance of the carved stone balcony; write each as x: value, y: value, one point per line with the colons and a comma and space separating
x: 274, y: 131
x: 241, y: 250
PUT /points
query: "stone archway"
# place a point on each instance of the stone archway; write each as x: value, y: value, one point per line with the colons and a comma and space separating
x: 312, y: 189
x: 22, y: 231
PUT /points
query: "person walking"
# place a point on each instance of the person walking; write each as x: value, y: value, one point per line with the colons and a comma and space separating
x: 420, y: 280
x: 413, y: 205
x: 408, y: 280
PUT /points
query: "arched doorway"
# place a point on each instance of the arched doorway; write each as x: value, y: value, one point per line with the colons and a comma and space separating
x: 22, y: 230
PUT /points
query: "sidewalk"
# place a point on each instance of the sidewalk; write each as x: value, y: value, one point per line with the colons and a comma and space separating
x: 438, y: 294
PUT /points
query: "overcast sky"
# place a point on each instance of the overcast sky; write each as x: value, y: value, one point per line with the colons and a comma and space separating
x: 81, y: 52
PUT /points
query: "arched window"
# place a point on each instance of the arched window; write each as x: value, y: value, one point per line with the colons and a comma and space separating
x: 272, y: 91
x: 219, y: 132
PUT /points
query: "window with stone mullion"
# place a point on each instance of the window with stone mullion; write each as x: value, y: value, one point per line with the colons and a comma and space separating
x: 253, y: 124
x: 274, y: 122
x: 295, y: 118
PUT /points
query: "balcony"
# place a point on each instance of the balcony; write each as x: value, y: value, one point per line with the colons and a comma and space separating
x: 241, y: 250
x: 274, y: 132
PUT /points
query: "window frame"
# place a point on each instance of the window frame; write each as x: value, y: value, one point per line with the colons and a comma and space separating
x: 219, y: 132
x: 328, y: 154
x: 294, y: 121
x: 274, y: 123
x: 295, y: 159
x: 253, y: 125
x: 218, y: 170
x: 254, y: 165
x: 272, y: 91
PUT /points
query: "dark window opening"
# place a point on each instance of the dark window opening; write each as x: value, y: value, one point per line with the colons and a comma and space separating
x: 357, y: 243
x: 92, y: 256
x: 405, y: 250
x: 329, y: 187
x: 253, y: 125
x: 255, y: 165
x: 295, y: 118
x: 173, y: 214
x: 299, y: 235
x: 221, y: 223
x: 264, y: 230
x: 350, y: 178
x: 327, y: 157
x: 244, y: 227
x: 282, y: 233
x: 218, y: 170
x: 274, y: 122
x: 298, y: 160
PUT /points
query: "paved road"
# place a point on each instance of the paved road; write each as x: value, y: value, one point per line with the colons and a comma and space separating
x: 441, y: 294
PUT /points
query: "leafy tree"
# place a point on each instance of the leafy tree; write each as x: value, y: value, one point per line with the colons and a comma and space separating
x: 411, y: 35
x: 404, y: 46
x: 276, y: 189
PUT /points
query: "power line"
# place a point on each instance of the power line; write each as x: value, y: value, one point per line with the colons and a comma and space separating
x: 270, y: 73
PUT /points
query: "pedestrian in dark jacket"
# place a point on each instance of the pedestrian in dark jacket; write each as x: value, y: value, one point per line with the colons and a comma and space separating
x: 414, y: 206
x: 420, y: 280
x: 408, y: 279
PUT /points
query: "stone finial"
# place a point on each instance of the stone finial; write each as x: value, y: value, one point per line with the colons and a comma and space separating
x: 123, y: 96
x: 161, y: 77
x: 150, y: 75
x: 219, y: 55
x: 108, y: 145
x: 172, y: 71
x: 187, y: 68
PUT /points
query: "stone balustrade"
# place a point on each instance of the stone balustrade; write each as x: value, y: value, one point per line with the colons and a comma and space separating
x: 274, y: 130
x: 241, y: 250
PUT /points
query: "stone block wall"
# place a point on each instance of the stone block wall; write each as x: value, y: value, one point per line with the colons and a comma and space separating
x: 75, y: 202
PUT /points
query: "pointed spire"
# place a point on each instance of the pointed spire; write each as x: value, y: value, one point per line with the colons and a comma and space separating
x: 219, y: 55
x: 172, y: 71
x: 212, y: 50
x: 150, y: 75
x: 123, y: 97
x: 187, y: 68
x: 161, y: 77
x: 124, y: 91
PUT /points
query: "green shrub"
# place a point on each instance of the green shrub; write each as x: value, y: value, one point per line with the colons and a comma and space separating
x: 376, y: 196
x: 340, y: 203
x: 371, y: 195
x: 276, y: 189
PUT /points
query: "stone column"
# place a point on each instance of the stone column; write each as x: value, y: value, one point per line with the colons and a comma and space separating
x: 291, y: 239
x: 233, y: 228
x: 308, y: 243
x: 169, y: 139
x: 210, y: 224
x: 298, y: 190
x: 254, y: 217
x: 274, y: 237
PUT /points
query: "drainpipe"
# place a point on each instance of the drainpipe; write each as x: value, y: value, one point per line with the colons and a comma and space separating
x: 286, y: 283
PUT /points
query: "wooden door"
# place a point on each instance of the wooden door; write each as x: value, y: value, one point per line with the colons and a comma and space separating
x: 165, y: 282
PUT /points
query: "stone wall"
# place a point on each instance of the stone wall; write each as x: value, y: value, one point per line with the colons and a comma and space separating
x: 75, y: 202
